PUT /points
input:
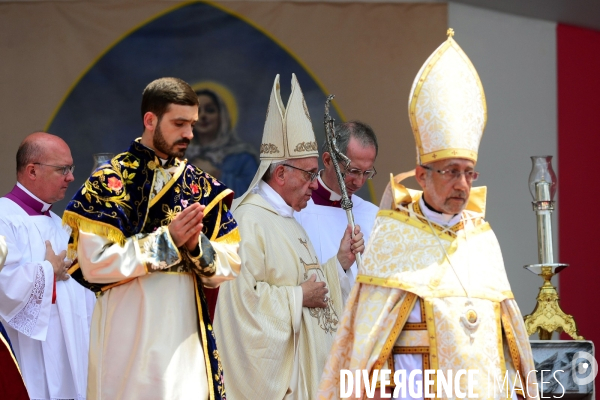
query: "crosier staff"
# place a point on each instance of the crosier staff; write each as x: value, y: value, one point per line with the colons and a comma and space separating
x: 336, y: 157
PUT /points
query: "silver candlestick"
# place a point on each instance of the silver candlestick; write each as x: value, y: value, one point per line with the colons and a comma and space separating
x: 547, y: 317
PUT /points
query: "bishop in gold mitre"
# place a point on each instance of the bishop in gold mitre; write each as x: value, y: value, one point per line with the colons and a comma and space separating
x: 433, y: 292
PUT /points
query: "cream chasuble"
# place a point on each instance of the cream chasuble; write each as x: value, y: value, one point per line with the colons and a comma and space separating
x: 271, y: 347
x: 409, y: 265
x: 50, y: 341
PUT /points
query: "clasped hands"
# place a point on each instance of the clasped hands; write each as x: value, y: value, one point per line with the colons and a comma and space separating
x: 313, y: 292
x: 186, y: 227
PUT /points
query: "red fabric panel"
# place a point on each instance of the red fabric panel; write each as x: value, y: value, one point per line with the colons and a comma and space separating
x: 54, y: 290
x: 211, y: 300
x: 11, y: 383
x: 578, y: 57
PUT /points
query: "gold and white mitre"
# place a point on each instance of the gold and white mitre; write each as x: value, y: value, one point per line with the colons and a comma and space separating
x: 288, y: 132
x: 446, y: 106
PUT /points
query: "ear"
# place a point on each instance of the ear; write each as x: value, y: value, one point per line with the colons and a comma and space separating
x: 150, y: 121
x: 279, y: 175
x: 30, y: 172
x: 421, y: 175
x: 326, y: 158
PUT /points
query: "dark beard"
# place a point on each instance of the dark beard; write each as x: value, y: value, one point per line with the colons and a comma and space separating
x: 162, y: 146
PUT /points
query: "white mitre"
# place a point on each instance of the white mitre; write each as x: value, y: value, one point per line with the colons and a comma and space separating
x: 288, y: 133
x: 446, y: 106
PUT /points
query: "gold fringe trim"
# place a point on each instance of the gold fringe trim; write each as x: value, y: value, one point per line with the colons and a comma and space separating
x: 78, y: 222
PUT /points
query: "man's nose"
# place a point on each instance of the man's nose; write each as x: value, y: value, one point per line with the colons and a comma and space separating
x: 359, y: 179
x: 70, y: 177
x: 188, y: 133
x: 314, y: 185
x: 462, y: 183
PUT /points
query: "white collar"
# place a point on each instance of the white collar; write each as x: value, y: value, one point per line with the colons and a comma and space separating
x: 45, y: 206
x: 333, y: 196
x: 274, y: 199
x: 445, y: 220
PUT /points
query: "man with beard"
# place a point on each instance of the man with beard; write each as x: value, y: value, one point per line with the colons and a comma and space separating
x: 149, y: 231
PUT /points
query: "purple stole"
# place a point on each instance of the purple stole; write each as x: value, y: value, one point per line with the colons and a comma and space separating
x: 30, y: 205
x: 321, y: 197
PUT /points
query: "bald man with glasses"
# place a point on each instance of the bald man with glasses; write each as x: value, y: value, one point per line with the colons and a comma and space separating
x: 46, y: 314
x: 323, y: 218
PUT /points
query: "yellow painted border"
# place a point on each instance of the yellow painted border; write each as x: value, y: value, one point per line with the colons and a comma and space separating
x: 181, y: 5
x: 372, y: 193
x: 102, y: 54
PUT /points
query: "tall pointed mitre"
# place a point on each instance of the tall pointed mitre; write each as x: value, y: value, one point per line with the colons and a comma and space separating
x: 446, y: 106
x: 288, y: 133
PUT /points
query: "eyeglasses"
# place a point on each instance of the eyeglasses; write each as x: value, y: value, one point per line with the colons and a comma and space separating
x: 311, y: 175
x: 64, y: 169
x: 359, y: 173
x: 453, y: 174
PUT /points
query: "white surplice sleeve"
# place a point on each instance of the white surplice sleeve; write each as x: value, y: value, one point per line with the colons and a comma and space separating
x: 103, y: 261
x: 25, y: 286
